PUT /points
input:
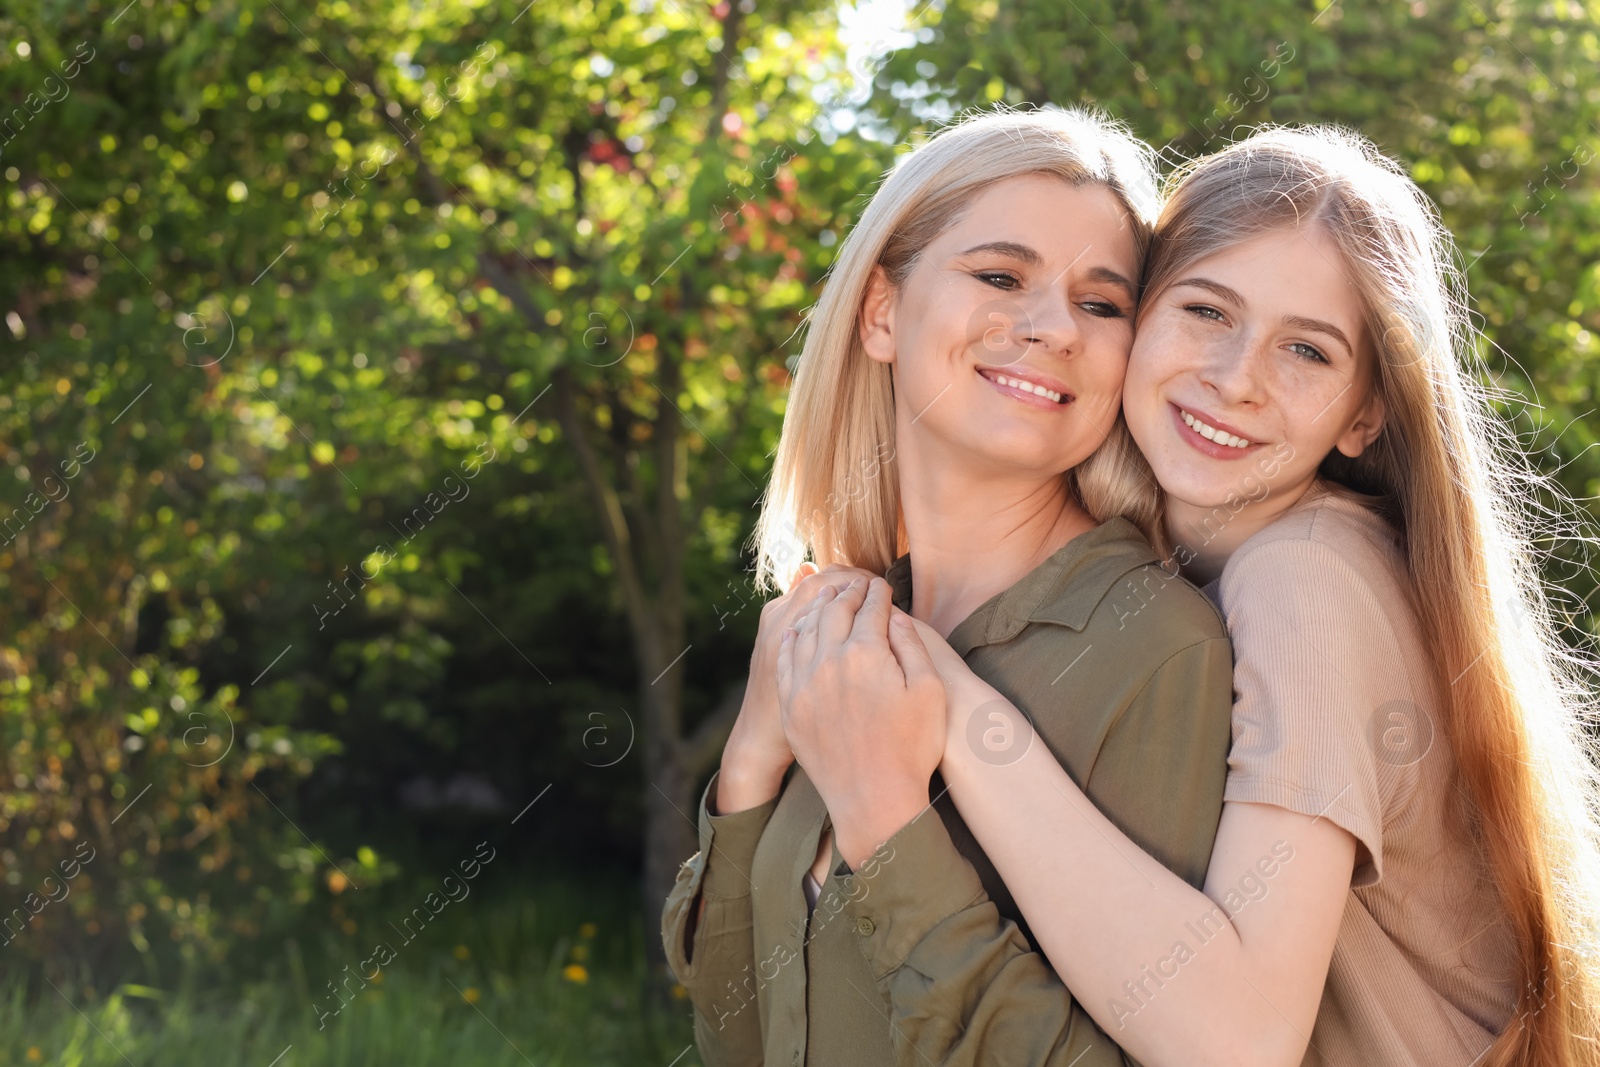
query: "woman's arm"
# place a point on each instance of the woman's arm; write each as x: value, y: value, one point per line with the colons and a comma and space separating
x: 707, y: 925
x: 707, y: 929
x: 935, y: 942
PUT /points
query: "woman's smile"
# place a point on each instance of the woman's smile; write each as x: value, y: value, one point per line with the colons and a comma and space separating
x: 1028, y: 387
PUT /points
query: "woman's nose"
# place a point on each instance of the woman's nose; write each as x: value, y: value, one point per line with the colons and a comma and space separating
x: 1009, y: 328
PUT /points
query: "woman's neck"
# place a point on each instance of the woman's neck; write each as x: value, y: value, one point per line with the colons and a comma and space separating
x: 973, y: 535
x: 1205, y: 538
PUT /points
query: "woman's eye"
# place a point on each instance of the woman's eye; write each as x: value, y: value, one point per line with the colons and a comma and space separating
x: 1204, y: 311
x: 1103, y: 310
x: 1311, y: 352
x: 998, y: 279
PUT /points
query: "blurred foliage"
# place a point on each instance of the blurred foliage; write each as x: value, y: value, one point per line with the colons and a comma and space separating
x: 291, y: 289
x: 537, y: 973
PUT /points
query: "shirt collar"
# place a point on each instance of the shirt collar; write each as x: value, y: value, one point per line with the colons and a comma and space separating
x: 1064, y: 589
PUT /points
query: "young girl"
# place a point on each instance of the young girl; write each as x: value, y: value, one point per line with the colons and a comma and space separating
x: 957, y: 406
x: 1405, y: 870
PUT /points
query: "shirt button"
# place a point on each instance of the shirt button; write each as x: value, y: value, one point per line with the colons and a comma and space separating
x: 865, y: 926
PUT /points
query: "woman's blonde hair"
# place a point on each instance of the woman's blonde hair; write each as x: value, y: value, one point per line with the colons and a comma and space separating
x: 834, y: 492
x: 1513, y: 697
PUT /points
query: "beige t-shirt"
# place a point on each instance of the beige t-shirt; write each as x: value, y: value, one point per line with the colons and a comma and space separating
x: 1336, y: 714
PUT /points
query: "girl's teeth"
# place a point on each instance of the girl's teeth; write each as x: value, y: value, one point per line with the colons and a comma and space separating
x: 1211, y: 433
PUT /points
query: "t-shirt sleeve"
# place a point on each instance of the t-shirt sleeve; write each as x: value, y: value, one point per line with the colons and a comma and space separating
x: 1325, y: 719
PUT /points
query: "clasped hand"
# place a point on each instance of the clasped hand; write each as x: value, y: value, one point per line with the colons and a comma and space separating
x: 863, y: 707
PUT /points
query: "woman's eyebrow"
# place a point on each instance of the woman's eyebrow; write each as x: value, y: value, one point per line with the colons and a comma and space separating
x: 1111, y: 277
x: 1022, y: 253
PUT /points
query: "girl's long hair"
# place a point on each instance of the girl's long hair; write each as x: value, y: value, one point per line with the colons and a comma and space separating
x: 834, y: 493
x: 1513, y: 697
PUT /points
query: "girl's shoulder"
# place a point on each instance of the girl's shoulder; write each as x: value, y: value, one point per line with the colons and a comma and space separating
x: 1334, y: 540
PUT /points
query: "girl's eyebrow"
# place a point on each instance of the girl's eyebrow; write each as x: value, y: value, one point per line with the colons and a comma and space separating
x: 1318, y: 326
x: 1216, y: 289
x: 1299, y: 321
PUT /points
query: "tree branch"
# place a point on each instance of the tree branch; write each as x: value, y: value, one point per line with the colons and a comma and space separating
x: 608, y: 510
x: 703, y: 747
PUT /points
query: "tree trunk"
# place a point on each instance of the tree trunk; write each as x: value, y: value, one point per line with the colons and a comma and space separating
x: 671, y: 806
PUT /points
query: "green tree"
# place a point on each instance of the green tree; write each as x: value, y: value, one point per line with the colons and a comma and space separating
x: 354, y: 248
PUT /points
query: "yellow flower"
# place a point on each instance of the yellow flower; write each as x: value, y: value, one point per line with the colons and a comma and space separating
x: 588, y: 930
x: 34, y: 1055
x: 678, y: 992
x: 471, y: 994
x: 575, y: 972
x: 463, y: 952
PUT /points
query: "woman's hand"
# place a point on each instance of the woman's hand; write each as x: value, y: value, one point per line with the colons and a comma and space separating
x: 965, y: 692
x: 757, y: 754
x: 863, y: 709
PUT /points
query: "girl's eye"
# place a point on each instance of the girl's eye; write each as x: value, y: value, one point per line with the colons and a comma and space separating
x: 1310, y: 352
x: 1103, y: 309
x: 1204, y: 311
x: 998, y: 279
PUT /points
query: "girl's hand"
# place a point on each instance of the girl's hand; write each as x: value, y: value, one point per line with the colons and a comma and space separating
x: 757, y: 754
x: 980, y: 723
x: 863, y: 709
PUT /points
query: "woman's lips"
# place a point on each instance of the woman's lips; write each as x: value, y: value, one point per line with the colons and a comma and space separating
x: 1021, y: 389
x: 1203, y: 444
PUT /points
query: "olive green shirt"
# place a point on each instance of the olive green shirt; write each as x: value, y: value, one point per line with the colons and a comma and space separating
x: 922, y: 958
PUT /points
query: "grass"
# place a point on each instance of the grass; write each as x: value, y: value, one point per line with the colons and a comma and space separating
x: 552, y: 977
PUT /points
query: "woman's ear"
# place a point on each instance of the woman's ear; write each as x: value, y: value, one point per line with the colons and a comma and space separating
x: 877, y: 317
x: 1366, y: 427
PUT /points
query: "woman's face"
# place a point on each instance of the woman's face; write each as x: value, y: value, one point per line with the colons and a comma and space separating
x: 1010, y: 337
x: 1249, y: 369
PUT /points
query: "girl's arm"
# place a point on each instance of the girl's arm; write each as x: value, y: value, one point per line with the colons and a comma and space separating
x: 1232, y: 975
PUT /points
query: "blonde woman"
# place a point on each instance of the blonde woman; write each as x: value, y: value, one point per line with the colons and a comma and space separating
x: 1405, y: 871
x: 954, y: 424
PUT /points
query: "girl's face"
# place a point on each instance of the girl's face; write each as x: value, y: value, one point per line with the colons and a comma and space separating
x: 1249, y: 369
x: 1010, y: 337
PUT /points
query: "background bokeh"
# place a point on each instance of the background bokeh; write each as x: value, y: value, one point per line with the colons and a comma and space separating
x: 388, y: 388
